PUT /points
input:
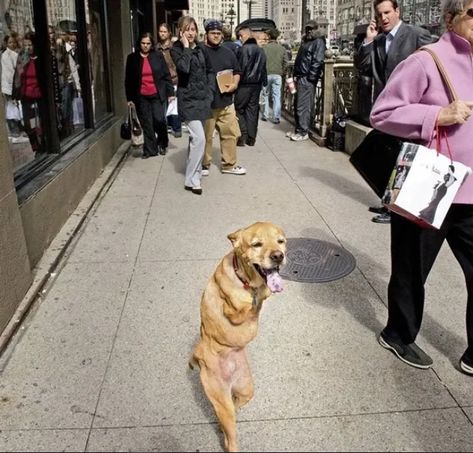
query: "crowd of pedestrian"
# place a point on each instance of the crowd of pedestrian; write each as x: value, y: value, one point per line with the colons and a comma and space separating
x: 215, y: 88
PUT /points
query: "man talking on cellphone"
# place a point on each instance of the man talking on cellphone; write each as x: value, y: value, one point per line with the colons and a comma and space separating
x: 388, y: 42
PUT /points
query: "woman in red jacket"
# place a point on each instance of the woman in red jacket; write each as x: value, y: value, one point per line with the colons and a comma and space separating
x: 148, y: 86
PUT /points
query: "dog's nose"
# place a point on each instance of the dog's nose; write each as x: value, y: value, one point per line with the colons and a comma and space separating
x: 277, y: 256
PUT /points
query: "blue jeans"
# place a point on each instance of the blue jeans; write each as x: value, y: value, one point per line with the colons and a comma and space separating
x: 273, y: 89
x: 174, y: 122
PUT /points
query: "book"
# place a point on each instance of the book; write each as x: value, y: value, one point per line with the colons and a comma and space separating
x: 224, y: 78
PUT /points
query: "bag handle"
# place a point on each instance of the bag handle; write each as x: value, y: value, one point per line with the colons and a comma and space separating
x: 452, y: 94
x: 443, y: 73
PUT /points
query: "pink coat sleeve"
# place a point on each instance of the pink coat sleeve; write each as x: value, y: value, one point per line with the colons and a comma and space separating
x: 405, y: 108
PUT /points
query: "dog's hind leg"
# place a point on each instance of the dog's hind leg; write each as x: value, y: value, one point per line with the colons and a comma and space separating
x: 243, y: 387
x: 219, y: 394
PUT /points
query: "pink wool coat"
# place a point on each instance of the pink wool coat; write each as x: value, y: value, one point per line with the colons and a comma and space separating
x: 410, y: 103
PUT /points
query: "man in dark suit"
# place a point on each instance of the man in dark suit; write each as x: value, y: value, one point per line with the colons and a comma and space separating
x: 388, y: 41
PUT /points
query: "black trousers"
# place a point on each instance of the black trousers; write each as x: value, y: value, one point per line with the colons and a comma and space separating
x: 413, y: 252
x: 304, y: 106
x: 152, y: 116
x: 247, y: 110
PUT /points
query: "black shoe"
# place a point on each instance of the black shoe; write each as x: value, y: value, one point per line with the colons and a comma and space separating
x: 241, y: 142
x: 466, y: 365
x: 197, y: 191
x: 382, y: 218
x: 276, y: 121
x: 146, y: 156
x: 162, y: 150
x: 250, y: 141
x: 377, y: 209
x: 408, y: 353
x: 263, y: 118
x: 177, y: 134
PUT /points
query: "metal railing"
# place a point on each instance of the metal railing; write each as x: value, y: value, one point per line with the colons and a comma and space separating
x: 333, y: 94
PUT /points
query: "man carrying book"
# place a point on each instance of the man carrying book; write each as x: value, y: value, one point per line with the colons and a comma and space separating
x: 224, y: 120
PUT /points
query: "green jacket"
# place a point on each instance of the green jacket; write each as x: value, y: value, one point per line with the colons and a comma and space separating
x: 276, y: 58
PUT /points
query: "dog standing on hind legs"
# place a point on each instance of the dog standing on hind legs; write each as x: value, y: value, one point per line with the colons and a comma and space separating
x: 229, y: 311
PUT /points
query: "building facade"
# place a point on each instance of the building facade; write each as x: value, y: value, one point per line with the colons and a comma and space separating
x: 61, y: 109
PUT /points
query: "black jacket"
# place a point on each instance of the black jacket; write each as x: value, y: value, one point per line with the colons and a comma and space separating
x: 253, y: 64
x: 371, y: 59
x: 309, y: 62
x: 196, y: 82
x: 133, y: 71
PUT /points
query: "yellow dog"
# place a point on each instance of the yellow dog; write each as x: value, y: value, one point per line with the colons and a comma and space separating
x: 229, y: 311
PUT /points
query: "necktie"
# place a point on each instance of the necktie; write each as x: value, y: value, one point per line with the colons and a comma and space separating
x: 389, y: 40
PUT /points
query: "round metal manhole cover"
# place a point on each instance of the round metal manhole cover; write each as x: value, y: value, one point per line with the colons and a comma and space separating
x: 314, y: 261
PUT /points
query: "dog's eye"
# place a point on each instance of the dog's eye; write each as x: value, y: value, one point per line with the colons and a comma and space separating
x: 257, y: 244
x: 281, y: 241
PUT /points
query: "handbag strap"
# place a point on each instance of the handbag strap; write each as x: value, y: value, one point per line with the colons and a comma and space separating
x: 443, y: 73
x: 453, y: 96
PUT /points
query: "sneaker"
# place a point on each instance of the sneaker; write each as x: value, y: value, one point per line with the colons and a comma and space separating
x: 20, y: 139
x: 290, y: 134
x: 300, y: 137
x: 177, y: 134
x: 408, y: 353
x: 466, y: 366
x: 276, y: 121
x: 263, y: 118
x: 385, y: 217
x: 205, y: 171
x: 236, y: 170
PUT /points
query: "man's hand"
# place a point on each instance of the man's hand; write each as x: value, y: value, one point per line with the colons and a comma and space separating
x: 131, y: 104
x: 458, y: 112
x: 371, y: 31
x: 171, y: 98
x: 230, y: 88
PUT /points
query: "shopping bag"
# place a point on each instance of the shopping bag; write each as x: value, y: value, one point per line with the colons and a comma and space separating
x: 137, y: 136
x: 423, y: 184
x: 77, y: 111
x: 172, y: 108
x: 13, y: 111
x: 375, y: 157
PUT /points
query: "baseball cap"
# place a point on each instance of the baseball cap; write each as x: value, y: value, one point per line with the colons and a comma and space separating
x: 213, y: 24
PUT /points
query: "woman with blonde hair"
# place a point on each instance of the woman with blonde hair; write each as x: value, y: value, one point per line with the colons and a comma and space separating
x: 194, y: 94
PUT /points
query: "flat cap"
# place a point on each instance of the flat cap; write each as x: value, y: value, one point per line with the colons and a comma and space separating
x: 311, y: 24
x: 213, y: 24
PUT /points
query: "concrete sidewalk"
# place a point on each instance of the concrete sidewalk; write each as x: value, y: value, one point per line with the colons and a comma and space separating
x: 100, y: 363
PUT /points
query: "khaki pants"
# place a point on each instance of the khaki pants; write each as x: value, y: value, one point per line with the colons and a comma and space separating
x: 226, y: 123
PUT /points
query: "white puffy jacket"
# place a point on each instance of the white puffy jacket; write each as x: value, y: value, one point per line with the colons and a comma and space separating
x: 8, y: 60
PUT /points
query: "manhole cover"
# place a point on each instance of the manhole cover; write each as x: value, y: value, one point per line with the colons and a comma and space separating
x: 314, y: 261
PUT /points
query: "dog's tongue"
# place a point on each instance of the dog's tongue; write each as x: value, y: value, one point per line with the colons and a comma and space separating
x: 274, y: 282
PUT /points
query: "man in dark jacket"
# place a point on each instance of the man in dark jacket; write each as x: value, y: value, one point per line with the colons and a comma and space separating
x: 308, y: 68
x: 253, y: 66
x: 388, y: 42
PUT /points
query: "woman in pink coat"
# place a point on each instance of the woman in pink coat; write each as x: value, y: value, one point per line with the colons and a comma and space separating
x: 412, y: 103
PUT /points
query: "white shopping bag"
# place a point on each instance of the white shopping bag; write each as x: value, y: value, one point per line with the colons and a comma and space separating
x: 172, y: 108
x: 13, y: 111
x: 423, y: 185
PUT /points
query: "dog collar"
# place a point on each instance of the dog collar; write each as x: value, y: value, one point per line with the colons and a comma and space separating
x: 246, y: 285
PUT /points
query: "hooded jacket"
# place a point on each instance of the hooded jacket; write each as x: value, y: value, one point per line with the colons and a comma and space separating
x: 309, y: 62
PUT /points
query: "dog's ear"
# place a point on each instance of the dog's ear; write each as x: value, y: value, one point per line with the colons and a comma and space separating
x: 235, y: 238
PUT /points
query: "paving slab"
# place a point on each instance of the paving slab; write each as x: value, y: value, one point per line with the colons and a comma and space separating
x: 44, y: 440
x: 433, y: 430
x: 53, y: 376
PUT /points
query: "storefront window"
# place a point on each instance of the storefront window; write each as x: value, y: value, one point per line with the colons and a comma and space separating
x: 21, y: 89
x: 97, y: 60
x: 54, y: 84
x: 62, y: 30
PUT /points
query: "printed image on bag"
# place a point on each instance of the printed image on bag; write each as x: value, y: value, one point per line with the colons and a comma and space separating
x: 423, y: 185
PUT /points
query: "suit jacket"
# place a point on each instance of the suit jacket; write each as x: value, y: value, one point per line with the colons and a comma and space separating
x: 133, y: 72
x: 371, y: 59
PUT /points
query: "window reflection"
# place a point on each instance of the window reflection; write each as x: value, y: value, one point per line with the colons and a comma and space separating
x: 21, y: 90
x: 62, y: 32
